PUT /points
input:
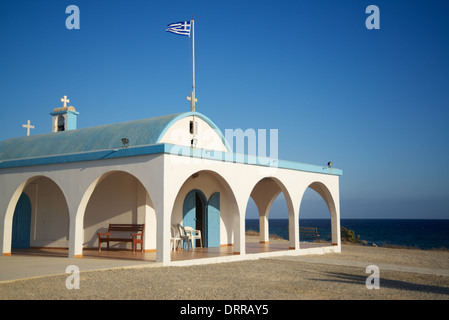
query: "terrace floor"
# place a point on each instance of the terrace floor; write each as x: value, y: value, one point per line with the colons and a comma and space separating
x: 178, y: 255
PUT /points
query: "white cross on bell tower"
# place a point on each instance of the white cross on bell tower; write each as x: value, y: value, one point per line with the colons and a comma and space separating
x: 65, y: 101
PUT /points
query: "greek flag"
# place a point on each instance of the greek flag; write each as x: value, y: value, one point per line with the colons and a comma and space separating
x: 181, y: 28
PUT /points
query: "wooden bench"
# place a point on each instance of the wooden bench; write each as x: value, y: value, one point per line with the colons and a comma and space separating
x: 309, y: 232
x: 135, y: 238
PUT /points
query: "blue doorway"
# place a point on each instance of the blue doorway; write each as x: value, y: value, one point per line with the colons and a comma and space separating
x: 212, y: 235
x: 203, y: 215
x: 21, y: 223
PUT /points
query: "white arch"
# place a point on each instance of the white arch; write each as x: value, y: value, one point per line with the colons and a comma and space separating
x: 10, y: 208
x: 230, y: 216
x: 77, y: 221
x: 264, y: 193
x: 331, y: 200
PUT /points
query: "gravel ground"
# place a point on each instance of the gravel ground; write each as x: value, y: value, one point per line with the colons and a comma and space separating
x: 272, y: 279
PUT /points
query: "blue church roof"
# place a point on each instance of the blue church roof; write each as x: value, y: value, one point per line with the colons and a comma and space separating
x: 139, y: 133
x: 105, y: 142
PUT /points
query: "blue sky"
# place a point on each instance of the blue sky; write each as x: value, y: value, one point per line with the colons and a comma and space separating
x: 375, y: 102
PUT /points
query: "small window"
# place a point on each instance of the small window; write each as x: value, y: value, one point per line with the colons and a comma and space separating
x: 193, y: 127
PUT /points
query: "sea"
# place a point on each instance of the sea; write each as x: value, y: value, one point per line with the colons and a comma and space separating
x: 411, y: 233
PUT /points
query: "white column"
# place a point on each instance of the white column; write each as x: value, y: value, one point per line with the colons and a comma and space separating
x: 239, y: 225
x: 293, y: 229
x: 162, y: 205
x: 146, y: 215
x: 76, y: 234
x: 264, y: 227
x: 6, y: 229
x: 335, y: 219
x: 293, y: 206
x: 163, y: 232
x: 77, y: 204
x: 239, y: 235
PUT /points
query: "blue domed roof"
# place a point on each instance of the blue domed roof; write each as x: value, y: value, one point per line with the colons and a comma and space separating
x: 139, y: 133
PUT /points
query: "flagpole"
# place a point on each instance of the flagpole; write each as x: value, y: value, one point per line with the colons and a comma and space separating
x: 193, y: 66
x: 192, y: 98
x: 182, y: 29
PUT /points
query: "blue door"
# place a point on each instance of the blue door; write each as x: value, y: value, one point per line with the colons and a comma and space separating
x: 201, y: 216
x: 21, y: 223
x: 212, y: 237
x: 189, y: 210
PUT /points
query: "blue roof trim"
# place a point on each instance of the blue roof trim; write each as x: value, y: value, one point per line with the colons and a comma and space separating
x: 164, y: 148
x: 248, y: 159
x: 201, y: 116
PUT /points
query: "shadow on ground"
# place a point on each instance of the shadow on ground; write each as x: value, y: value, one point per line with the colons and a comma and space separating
x: 385, y: 282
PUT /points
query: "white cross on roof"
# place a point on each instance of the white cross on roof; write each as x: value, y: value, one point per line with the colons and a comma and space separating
x: 192, y: 100
x: 28, y: 126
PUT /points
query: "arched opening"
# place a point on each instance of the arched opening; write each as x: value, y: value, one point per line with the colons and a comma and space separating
x: 41, y: 217
x: 118, y: 197
x: 278, y: 218
x: 316, y: 215
x: 206, y: 203
x: 273, y: 217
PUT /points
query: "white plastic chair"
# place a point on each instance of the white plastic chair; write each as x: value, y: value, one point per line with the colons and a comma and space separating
x: 184, y: 237
x: 194, y: 234
x: 175, y: 239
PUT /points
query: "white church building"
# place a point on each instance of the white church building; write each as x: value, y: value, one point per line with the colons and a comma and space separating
x: 59, y: 189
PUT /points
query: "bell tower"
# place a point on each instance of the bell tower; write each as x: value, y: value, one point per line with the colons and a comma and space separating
x: 64, y: 118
